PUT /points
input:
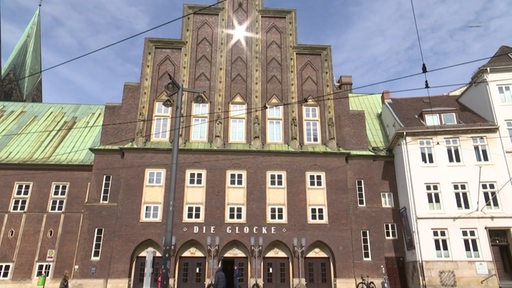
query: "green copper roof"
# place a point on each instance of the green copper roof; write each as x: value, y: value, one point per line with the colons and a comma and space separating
x: 25, y: 59
x: 41, y: 133
x: 372, y: 106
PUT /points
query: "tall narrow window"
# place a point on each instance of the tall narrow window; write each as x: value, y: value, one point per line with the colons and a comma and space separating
x: 105, y: 192
x: 433, y: 196
x: 275, y: 124
x: 470, y: 239
x: 452, y: 149
x: 505, y: 94
x: 365, y: 245
x: 441, y: 243
x: 96, y: 246
x: 20, y: 197
x: 237, y: 115
x: 508, y: 123
x: 58, y: 197
x: 161, y: 122
x: 480, y: 148
x: 426, y: 150
x: 361, y: 201
x: 311, y: 125
x: 490, y: 196
x: 461, y: 196
x: 199, y: 121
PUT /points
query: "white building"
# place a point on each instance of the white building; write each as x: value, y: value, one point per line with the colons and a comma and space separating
x: 454, y: 191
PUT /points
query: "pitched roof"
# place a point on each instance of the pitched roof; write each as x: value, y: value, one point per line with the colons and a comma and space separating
x: 409, y: 110
x: 41, y: 133
x: 24, y: 65
x: 502, y: 57
x: 372, y: 106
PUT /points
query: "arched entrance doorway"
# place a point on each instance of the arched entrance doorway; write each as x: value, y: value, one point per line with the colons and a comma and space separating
x: 318, y: 267
x: 191, y: 266
x: 276, y: 266
x: 146, y: 263
x: 235, y: 254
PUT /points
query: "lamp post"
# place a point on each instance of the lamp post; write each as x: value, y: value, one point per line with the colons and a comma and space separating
x: 172, y: 88
x: 299, y: 249
x: 256, y: 249
x: 212, y: 252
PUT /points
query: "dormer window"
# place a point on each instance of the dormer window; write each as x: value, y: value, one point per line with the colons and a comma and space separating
x: 435, y: 119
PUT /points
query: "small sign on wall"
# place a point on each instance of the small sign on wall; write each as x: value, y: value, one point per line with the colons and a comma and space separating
x: 50, y: 255
x: 481, y: 268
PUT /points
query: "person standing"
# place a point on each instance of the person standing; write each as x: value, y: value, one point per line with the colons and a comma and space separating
x: 220, y: 278
x: 64, y: 283
x: 236, y: 276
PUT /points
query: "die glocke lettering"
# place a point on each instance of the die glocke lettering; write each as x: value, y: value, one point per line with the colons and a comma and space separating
x: 235, y: 229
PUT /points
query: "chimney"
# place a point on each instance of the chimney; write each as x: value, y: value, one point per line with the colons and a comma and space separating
x: 345, y: 83
x: 386, y: 97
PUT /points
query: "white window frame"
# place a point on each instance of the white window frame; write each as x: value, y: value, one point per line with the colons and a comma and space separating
x: 5, y: 275
x: 43, y: 268
x: 236, y: 213
x: 312, y: 179
x: 196, y: 213
x: 508, y: 124
x: 239, y: 179
x: 152, y: 212
x: 275, y: 124
x: 481, y: 149
x: 317, y: 214
x: 276, y: 213
x: 387, y: 199
x: 361, y: 198
x: 199, y: 122
x: 490, y: 194
x: 312, y: 125
x: 161, y: 122
x: 470, y: 241
x: 461, y: 194
x: 193, y: 178
x: 390, y: 231
x: 505, y: 93
x: 58, y: 197
x: 433, y: 196
x: 106, y: 186
x: 365, y: 245
x: 276, y: 179
x: 453, y: 150
x: 426, y: 151
x: 237, y: 122
x: 20, y: 197
x: 441, y: 243
x: 97, y: 243
x: 152, y: 178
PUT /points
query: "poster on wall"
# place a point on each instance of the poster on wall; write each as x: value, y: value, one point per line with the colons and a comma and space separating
x: 409, y: 240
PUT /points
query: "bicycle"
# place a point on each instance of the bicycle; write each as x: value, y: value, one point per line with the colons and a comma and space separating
x: 365, y: 283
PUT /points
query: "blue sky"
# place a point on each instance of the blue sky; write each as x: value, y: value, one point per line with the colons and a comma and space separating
x: 372, y: 40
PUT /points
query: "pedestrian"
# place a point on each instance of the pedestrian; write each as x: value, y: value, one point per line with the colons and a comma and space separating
x: 236, y: 277
x: 220, y: 278
x: 64, y: 283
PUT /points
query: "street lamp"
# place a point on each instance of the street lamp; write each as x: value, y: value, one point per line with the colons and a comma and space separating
x: 212, y: 252
x: 299, y: 249
x: 172, y: 88
x: 256, y: 249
